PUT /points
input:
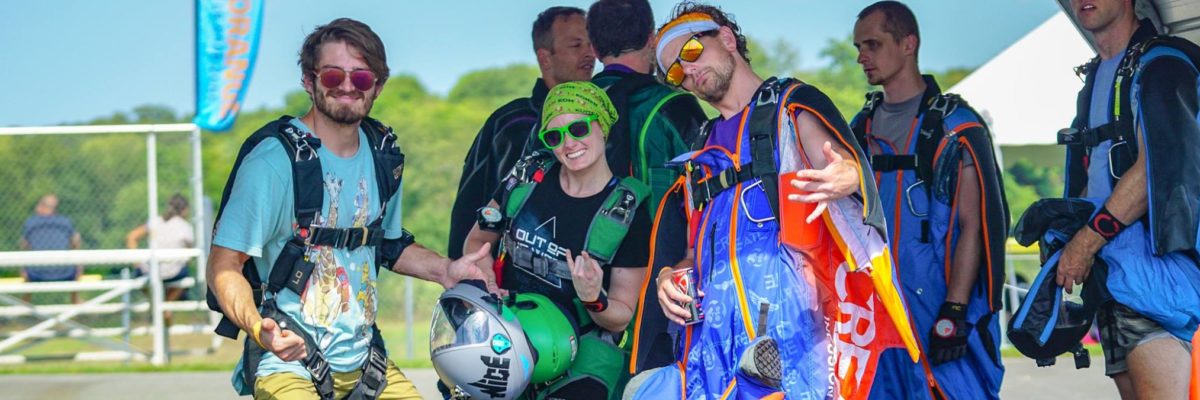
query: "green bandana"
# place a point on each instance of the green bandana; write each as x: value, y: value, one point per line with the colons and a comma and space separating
x: 583, y: 98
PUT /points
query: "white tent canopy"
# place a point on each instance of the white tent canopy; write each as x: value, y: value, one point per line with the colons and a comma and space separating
x: 1028, y: 92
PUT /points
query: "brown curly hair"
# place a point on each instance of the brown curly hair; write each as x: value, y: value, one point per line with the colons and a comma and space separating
x: 353, y: 33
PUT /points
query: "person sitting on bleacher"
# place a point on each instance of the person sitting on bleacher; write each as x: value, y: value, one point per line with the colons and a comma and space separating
x: 170, y: 231
x: 48, y: 230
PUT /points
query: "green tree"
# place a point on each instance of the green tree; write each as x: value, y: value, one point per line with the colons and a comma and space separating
x: 778, y: 58
x: 495, y: 86
x: 952, y: 76
x: 1046, y: 182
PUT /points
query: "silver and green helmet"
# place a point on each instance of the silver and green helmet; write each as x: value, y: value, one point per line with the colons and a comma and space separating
x: 480, y: 351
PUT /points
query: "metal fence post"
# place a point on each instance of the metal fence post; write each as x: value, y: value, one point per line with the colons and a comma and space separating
x: 160, y: 356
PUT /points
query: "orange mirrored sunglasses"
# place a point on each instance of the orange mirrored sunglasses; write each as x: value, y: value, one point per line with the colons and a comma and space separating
x: 690, y: 52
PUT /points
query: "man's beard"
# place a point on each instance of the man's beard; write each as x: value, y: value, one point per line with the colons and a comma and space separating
x: 345, y: 114
x: 719, y: 80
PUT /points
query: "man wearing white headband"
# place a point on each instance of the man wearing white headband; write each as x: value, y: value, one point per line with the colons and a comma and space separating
x: 787, y: 235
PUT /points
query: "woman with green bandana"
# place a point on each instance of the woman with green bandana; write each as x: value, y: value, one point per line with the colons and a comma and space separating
x: 568, y: 229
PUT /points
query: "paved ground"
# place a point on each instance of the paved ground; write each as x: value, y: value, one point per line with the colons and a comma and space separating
x: 1023, y: 381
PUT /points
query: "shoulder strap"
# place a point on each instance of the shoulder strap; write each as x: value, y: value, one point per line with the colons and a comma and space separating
x: 859, y: 124
x: 524, y: 177
x: 933, y: 130
x: 1122, y: 125
x: 302, y: 151
x: 612, y: 221
x: 307, y: 184
x: 389, y: 171
x: 764, y: 134
x: 389, y: 160
x: 1075, y: 175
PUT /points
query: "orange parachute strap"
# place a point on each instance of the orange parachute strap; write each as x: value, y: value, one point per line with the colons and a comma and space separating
x: 983, y: 211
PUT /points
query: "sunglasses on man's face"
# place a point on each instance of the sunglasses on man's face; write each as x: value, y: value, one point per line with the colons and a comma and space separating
x: 690, y: 52
x: 578, y: 129
x: 332, y: 77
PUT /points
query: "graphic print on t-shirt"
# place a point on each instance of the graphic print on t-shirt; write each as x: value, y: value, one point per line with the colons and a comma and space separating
x: 533, y: 231
x: 328, y: 293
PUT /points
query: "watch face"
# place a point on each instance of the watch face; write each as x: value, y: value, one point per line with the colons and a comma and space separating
x: 944, y: 328
x: 490, y: 214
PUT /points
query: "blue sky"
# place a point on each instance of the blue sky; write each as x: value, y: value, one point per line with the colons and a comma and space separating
x: 72, y: 60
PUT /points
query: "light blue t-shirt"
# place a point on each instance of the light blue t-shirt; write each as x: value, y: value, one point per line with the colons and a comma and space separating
x: 340, y: 303
x: 1099, y: 177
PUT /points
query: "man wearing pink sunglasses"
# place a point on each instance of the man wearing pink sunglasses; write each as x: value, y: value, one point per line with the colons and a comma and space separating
x: 309, y: 215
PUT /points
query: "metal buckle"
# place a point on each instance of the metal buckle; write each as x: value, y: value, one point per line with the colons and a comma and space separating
x: 1127, y: 63
x: 1081, y: 71
x: 767, y: 96
x: 260, y: 294
x: 618, y: 212
x: 1111, y: 150
x: 940, y: 104
x: 621, y: 210
x: 746, y: 209
x: 873, y: 100
x: 316, y: 365
x: 908, y: 195
x: 1070, y: 136
x: 343, y: 238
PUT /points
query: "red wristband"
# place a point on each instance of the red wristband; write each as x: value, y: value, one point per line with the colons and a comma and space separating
x: 598, y: 305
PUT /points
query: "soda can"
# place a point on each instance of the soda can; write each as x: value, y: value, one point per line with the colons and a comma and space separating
x: 685, y: 282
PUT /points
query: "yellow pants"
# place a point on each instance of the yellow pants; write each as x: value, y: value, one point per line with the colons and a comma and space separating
x: 289, y: 386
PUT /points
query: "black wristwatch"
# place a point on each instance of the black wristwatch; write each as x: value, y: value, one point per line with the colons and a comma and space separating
x: 490, y: 219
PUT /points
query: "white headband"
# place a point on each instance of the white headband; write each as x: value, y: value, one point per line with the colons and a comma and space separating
x: 686, y: 28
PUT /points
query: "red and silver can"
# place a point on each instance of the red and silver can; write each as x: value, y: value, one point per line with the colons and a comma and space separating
x: 686, y: 283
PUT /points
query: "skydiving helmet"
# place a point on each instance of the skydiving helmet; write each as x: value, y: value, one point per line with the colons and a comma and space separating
x: 480, y: 351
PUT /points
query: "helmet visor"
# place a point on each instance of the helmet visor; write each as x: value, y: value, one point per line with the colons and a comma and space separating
x: 458, y: 322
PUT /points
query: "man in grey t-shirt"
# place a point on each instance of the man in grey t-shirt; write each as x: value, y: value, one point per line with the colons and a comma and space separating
x: 948, y: 245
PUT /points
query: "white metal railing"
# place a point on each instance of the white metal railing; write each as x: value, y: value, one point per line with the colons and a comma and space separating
x: 152, y: 257
x: 93, y: 257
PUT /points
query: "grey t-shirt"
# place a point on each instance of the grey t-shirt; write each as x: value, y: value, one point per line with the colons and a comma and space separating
x: 893, y: 122
x: 49, y: 232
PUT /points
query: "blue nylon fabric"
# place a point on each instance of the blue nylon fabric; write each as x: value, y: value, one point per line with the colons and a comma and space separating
x: 1165, y: 289
x: 769, y: 274
x: 921, y: 270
